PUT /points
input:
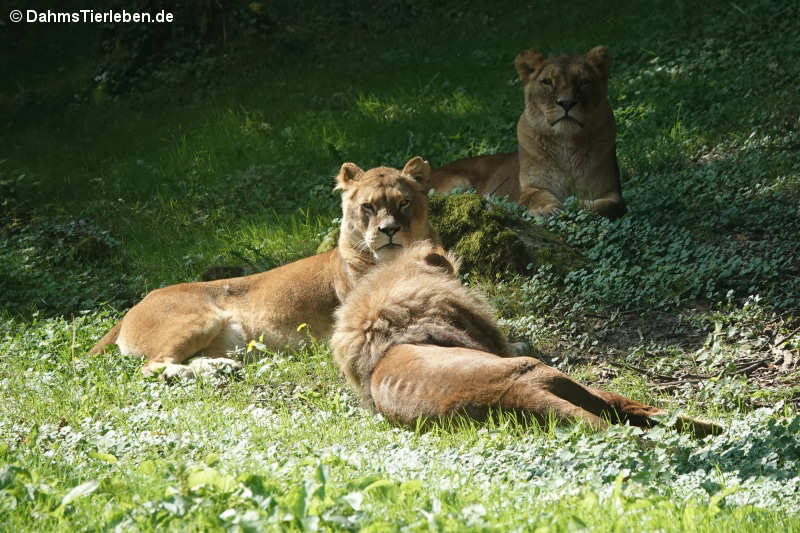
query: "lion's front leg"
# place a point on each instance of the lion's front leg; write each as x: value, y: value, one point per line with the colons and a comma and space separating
x: 539, y: 202
x: 611, y: 206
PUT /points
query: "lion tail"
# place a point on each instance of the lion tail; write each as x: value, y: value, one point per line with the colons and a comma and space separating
x: 108, y: 338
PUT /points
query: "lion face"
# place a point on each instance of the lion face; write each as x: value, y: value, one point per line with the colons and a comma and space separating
x: 565, y: 94
x: 384, y: 209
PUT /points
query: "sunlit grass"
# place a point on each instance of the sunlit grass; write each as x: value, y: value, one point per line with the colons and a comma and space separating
x: 240, y: 172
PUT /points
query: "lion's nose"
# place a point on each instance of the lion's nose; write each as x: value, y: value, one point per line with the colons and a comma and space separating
x: 389, y: 228
x: 567, y: 104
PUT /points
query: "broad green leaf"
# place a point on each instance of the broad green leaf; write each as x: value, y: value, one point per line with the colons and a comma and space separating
x: 354, y: 500
x: 211, y: 477
x: 84, y: 489
x: 105, y: 457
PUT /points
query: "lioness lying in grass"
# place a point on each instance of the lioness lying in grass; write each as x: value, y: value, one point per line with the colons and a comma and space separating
x: 383, y: 211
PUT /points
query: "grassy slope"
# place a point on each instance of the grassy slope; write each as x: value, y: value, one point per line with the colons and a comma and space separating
x: 196, y: 174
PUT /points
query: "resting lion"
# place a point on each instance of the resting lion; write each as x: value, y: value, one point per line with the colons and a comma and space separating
x: 384, y: 210
x: 418, y: 344
x: 566, y: 139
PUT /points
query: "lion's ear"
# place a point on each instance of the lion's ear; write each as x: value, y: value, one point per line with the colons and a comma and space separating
x: 600, y: 58
x: 528, y: 62
x: 439, y: 261
x: 419, y: 169
x: 349, y: 173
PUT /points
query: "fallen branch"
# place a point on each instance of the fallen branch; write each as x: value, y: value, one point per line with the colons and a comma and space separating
x: 747, y: 369
x: 791, y: 334
x: 673, y: 384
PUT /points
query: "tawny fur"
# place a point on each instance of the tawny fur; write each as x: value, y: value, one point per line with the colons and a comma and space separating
x: 566, y: 138
x: 212, y: 319
x: 415, y: 299
x: 419, y: 345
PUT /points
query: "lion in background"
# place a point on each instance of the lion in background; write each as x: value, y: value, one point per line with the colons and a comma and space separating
x: 418, y: 344
x: 566, y: 140
x: 383, y: 211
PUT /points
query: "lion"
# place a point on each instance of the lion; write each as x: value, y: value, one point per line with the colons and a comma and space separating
x: 417, y: 344
x: 566, y: 140
x: 384, y: 210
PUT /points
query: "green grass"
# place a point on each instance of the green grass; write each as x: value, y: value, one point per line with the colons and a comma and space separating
x: 688, y: 302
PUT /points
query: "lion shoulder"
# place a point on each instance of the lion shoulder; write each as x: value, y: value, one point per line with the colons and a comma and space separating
x: 415, y: 299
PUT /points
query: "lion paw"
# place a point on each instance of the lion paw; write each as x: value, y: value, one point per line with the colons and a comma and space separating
x: 521, y: 348
x: 197, y: 366
x: 213, y: 366
x: 547, y: 211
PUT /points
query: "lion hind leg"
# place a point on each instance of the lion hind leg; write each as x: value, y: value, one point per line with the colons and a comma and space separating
x: 544, y: 405
x: 619, y: 409
x: 435, y: 383
x: 603, y: 404
x: 444, y: 180
x: 167, y: 345
x: 608, y: 405
x: 527, y: 395
x: 541, y: 389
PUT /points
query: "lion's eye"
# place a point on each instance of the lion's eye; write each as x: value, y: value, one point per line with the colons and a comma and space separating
x: 369, y: 208
x: 404, y: 203
x: 547, y: 81
x: 583, y: 84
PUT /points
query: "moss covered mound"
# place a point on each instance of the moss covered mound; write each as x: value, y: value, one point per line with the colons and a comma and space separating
x: 479, y: 233
x: 492, y: 240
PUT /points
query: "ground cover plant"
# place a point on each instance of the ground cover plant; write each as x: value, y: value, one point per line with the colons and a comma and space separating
x: 225, y: 154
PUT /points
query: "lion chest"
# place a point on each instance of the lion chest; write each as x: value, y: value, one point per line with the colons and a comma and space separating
x: 566, y: 168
